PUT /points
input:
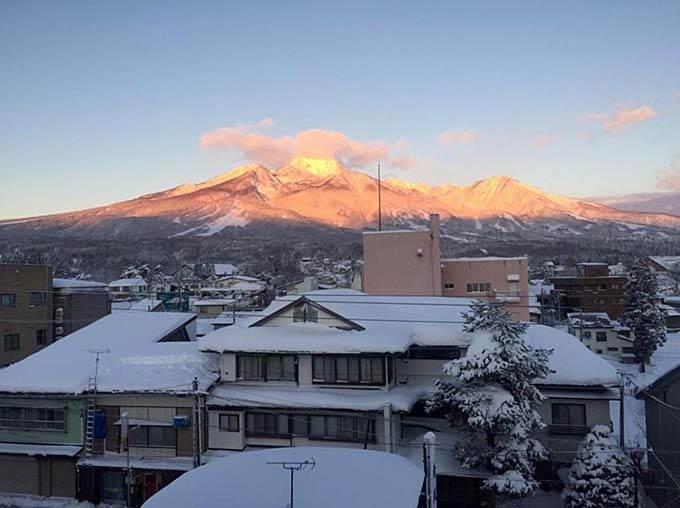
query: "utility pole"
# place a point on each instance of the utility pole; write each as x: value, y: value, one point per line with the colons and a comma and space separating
x: 195, y: 422
x: 379, y: 202
x: 293, y: 467
x: 429, y: 447
x: 622, y: 441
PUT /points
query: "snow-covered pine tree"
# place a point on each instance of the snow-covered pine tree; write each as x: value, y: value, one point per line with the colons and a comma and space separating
x: 601, y: 475
x: 642, y: 314
x: 488, y: 396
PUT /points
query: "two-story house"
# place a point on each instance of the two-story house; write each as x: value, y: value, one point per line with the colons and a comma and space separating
x: 342, y: 368
x: 61, y: 409
x: 602, y: 335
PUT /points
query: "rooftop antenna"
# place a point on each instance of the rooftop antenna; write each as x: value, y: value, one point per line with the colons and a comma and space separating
x: 293, y: 467
x: 92, y: 402
x: 379, y: 202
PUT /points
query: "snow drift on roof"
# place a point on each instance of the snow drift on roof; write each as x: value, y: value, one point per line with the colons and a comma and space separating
x: 79, y: 284
x: 342, y: 477
x: 134, y: 282
x: 136, y: 361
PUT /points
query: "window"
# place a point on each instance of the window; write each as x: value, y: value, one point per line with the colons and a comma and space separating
x: 321, y: 427
x: 434, y: 352
x: 601, y: 336
x: 112, y: 486
x: 8, y: 301
x: 449, y: 285
x: 32, y: 418
x: 587, y: 335
x: 568, y: 419
x: 478, y: 287
x: 266, y: 368
x: 41, y: 336
x: 598, y: 351
x: 37, y: 298
x: 152, y: 436
x: 12, y: 342
x: 229, y: 423
x: 348, y: 369
x: 305, y: 313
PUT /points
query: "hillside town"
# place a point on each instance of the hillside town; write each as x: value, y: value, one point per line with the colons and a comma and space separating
x: 482, y: 384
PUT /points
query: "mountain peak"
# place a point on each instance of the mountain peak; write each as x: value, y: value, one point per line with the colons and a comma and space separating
x: 316, y: 167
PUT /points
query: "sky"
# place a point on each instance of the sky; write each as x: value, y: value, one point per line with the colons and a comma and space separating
x: 105, y: 101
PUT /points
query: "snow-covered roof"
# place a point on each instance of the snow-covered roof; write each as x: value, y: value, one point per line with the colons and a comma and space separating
x: 665, y: 360
x: 402, y: 398
x: 136, y: 360
x: 222, y: 269
x: 133, y: 282
x: 485, y: 258
x: 214, y: 302
x: 145, y: 304
x: 590, y: 319
x: 244, y: 278
x: 79, y: 285
x: 670, y: 263
x: 572, y: 362
x: 342, y: 477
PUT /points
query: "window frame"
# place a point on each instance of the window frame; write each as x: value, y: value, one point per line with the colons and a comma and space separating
x: 145, y: 430
x: 434, y: 353
x: 478, y: 287
x: 41, y: 301
x: 599, y: 335
x: 265, y: 375
x: 362, y: 365
x: 229, y: 427
x: 302, y: 425
x: 8, y: 300
x: 12, y: 342
x: 42, y: 419
x: 41, y: 338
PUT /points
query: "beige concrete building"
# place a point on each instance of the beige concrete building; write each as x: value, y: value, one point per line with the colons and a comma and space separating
x: 410, y: 263
x: 26, y: 310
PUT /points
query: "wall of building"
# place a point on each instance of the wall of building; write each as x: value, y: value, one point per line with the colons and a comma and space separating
x: 25, y: 319
x: 508, y: 277
x: 73, y: 434
x: 402, y: 263
x: 81, y: 309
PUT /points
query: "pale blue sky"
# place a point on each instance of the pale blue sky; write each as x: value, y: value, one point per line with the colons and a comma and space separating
x: 103, y: 101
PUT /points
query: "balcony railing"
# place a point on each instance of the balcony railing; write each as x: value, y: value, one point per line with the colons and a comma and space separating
x: 568, y: 430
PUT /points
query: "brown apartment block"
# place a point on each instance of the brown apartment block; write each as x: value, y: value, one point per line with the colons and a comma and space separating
x: 410, y: 263
x: 26, y: 311
x: 592, y: 289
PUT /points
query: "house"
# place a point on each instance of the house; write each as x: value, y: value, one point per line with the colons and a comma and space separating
x: 224, y: 270
x: 145, y: 364
x: 591, y: 289
x: 602, y: 335
x: 338, y: 476
x: 211, y: 308
x: 659, y: 389
x: 26, y: 310
x: 667, y: 270
x: 134, y: 288
x: 343, y: 368
x: 406, y: 262
x: 77, y: 303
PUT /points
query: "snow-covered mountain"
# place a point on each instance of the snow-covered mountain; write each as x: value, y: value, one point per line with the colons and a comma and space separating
x: 323, y: 192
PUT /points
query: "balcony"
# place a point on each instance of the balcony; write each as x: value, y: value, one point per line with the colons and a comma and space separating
x: 559, y: 429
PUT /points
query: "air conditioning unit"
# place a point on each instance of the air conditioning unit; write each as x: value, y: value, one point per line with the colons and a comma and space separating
x: 59, y: 330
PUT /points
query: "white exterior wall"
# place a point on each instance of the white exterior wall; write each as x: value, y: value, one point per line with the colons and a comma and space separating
x: 224, y: 440
x: 286, y: 318
x: 613, y: 341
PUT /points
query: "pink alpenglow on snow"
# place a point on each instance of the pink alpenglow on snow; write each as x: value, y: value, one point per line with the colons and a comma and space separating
x: 340, y: 478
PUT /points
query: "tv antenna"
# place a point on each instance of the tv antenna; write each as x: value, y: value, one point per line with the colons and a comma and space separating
x: 294, y: 467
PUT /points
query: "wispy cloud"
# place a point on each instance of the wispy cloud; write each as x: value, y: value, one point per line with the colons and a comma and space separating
x: 669, y: 179
x: 544, y: 139
x: 458, y: 137
x: 253, y: 144
x: 623, y: 118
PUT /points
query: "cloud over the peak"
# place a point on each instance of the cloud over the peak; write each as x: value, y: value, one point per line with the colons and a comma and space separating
x: 316, y: 143
x: 669, y: 179
x: 623, y: 118
x: 458, y: 137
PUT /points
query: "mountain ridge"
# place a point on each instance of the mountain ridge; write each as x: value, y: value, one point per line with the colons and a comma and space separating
x: 323, y: 192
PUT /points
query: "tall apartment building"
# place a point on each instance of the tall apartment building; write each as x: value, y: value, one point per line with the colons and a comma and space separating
x: 592, y: 289
x: 26, y: 310
x: 410, y: 263
x: 37, y: 309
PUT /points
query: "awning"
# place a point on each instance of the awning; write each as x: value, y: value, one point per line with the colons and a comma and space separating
x: 138, y: 422
x: 39, y: 450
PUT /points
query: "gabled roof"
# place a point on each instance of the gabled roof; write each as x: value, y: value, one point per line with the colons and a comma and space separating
x: 302, y: 300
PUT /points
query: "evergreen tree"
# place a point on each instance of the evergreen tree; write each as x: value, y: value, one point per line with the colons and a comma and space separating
x: 601, y: 475
x: 489, y: 397
x: 642, y: 314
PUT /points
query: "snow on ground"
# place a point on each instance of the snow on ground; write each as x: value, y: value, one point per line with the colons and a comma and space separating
x: 542, y: 499
x: 340, y: 478
x: 25, y: 501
